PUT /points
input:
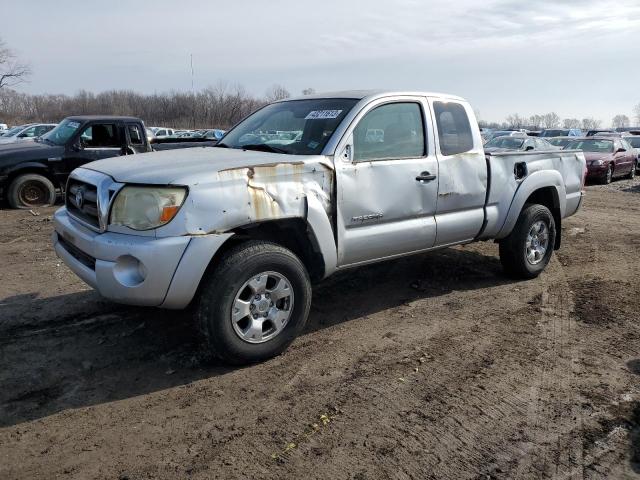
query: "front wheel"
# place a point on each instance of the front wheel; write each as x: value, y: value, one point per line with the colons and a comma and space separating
x: 254, y: 303
x: 527, y: 250
x: 632, y: 173
x: 608, y: 176
x: 31, y: 190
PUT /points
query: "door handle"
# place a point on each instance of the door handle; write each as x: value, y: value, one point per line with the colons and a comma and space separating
x: 425, y: 177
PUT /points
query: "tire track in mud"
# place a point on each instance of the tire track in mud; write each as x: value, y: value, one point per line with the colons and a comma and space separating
x: 557, y: 447
x: 460, y: 417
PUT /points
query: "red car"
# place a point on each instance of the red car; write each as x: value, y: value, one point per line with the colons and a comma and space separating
x: 607, y: 157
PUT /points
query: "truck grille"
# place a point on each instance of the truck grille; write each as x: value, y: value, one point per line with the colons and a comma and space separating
x: 81, y: 201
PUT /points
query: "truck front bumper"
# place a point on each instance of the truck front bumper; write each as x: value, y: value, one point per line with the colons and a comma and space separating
x: 135, y: 270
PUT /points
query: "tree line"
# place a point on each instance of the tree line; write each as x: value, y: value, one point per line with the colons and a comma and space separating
x: 219, y: 106
x: 553, y: 120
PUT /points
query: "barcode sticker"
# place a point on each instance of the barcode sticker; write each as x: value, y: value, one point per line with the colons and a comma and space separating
x: 323, y: 114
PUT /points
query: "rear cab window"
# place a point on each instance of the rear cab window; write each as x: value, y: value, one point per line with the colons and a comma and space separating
x: 454, y: 129
x: 135, y: 134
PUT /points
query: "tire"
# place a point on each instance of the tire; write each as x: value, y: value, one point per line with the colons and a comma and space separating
x: 236, y: 339
x: 30, y: 191
x: 514, y: 249
x: 608, y: 176
x: 632, y: 173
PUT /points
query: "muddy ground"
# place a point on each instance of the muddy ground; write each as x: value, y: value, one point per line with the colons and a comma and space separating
x: 435, y: 366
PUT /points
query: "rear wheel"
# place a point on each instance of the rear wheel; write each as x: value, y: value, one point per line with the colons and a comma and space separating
x: 632, y: 173
x: 527, y: 250
x: 31, y: 190
x: 608, y: 176
x: 255, y: 302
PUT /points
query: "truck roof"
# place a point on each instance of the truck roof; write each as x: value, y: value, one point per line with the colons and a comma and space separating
x: 372, y: 95
x: 86, y: 118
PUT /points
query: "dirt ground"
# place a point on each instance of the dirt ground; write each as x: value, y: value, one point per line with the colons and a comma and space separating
x: 435, y: 366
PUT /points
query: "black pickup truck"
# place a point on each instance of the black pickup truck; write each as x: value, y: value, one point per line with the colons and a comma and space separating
x: 32, y: 173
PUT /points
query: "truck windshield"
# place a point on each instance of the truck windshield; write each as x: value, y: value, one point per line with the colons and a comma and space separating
x: 62, y: 133
x: 296, y: 127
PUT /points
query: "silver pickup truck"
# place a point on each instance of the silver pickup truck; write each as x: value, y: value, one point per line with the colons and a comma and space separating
x: 298, y: 190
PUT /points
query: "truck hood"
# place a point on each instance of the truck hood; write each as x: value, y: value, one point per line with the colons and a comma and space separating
x: 12, y: 153
x: 187, y: 166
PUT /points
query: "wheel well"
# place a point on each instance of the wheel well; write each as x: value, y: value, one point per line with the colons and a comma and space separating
x: 548, y: 196
x: 38, y: 171
x: 293, y: 234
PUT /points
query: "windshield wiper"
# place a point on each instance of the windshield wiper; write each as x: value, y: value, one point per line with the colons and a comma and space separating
x: 222, y: 145
x: 263, y: 147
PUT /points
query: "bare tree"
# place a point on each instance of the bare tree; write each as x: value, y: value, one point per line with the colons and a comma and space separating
x: 515, y: 121
x: 277, y: 92
x: 571, y: 123
x: 308, y: 91
x: 590, y: 123
x: 636, y: 112
x: 536, y: 121
x: 551, y: 120
x: 12, y: 72
x: 620, y: 121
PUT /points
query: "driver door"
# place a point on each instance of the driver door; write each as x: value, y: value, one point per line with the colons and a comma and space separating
x: 386, y: 183
x: 96, y: 141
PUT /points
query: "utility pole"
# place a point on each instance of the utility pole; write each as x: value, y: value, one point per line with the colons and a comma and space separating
x: 193, y: 97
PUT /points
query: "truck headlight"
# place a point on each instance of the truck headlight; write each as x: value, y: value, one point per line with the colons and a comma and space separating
x: 144, y: 208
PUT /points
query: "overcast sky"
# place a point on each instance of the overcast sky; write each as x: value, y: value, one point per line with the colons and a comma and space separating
x: 575, y: 57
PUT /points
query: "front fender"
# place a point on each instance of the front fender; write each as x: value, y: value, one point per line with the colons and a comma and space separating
x: 321, y: 228
x: 533, y: 182
x: 32, y: 165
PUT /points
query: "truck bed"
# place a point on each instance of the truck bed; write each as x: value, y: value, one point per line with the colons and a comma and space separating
x: 562, y: 169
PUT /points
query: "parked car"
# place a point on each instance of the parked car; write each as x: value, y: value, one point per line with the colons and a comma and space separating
x: 3, y: 128
x: 560, y: 141
x: 607, y: 158
x: 515, y: 143
x: 214, y: 134
x: 505, y: 133
x: 634, y: 142
x: 247, y: 225
x: 25, y: 133
x: 163, y: 132
x: 31, y: 173
x: 561, y: 132
x: 592, y: 133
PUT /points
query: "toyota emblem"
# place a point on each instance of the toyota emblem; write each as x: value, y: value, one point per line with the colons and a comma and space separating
x: 79, y: 198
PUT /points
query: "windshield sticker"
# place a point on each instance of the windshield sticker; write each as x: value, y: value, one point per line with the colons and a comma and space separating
x: 73, y: 124
x: 323, y: 114
x: 312, y: 144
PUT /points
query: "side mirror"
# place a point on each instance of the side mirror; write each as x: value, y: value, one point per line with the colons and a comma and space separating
x: 529, y: 148
x: 347, y: 153
x: 77, y: 146
x: 621, y: 150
